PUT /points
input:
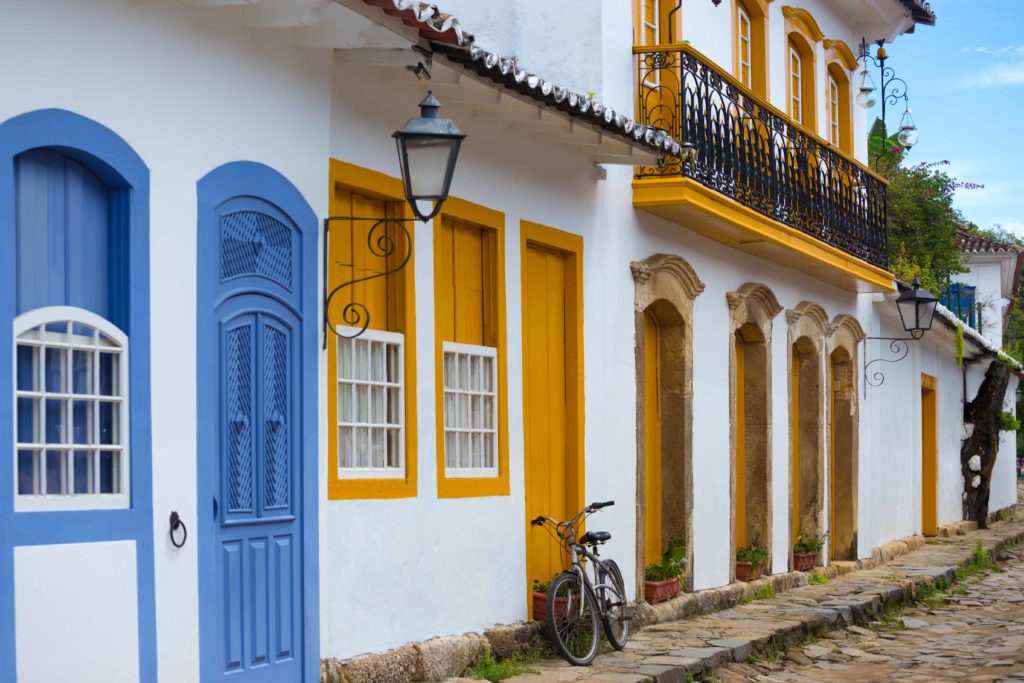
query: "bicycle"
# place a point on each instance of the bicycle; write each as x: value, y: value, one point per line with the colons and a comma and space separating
x: 575, y: 603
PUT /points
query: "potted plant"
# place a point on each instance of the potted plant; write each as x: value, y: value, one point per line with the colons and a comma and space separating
x: 540, y: 602
x: 750, y: 562
x: 661, y: 581
x: 806, y: 550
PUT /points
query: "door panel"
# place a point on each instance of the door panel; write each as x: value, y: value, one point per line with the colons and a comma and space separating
x: 546, y: 414
x: 256, y: 529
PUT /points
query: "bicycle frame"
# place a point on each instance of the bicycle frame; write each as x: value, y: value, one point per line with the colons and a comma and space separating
x: 596, y: 588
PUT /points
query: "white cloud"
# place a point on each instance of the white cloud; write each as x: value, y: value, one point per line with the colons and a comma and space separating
x: 998, y: 51
x: 999, y: 75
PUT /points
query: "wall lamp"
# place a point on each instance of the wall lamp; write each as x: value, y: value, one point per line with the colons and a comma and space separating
x: 917, y: 312
x: 428, y: 149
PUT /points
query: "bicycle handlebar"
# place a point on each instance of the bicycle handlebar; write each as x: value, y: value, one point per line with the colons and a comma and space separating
x: 538, y: 521
x: 598, y: 506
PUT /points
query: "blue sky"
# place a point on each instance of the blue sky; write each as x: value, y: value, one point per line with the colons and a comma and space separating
x: 965, y: 79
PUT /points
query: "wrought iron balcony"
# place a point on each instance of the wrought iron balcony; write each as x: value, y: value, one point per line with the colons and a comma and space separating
x: 748, y: 150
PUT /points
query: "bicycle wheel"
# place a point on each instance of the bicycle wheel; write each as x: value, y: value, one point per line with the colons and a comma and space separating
x: 572, y: 619
x: 616, y: 609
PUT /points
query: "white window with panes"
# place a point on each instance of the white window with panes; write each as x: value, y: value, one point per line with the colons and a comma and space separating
x: 371, y: 406
x: 470, y: 410
x: 833, y: 111
x: 745, y: 71
x: 795, y: 86
x: 71, y: 411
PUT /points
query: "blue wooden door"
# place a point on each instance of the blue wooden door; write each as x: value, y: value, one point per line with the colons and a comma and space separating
x: 258, y: 563
x: 256, y: 350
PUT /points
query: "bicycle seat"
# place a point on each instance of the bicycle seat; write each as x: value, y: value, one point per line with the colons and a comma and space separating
x: 595, y: 537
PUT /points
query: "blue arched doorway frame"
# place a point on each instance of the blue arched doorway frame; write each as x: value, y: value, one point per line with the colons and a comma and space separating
x: 233, y: 184
x: 122, y: 170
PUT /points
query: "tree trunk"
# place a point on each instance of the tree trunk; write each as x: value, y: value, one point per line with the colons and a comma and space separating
x: 985, y: 413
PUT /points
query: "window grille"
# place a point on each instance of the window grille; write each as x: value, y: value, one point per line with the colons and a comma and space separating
x: 470, y: 410
x: 371, y: 411
x: 71, y: 424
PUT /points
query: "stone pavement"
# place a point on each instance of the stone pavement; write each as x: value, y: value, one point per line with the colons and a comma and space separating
x: 977, y: 635
x: 667, y: 652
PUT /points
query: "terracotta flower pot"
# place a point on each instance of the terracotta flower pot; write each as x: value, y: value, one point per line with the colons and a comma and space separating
x: 540, y: 606
x: 804, y: 561
x: 746, y: 571
x: 660, y: 591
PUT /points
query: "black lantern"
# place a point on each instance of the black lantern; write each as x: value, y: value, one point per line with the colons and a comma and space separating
x: 917, y: 308
x: 428, y: 147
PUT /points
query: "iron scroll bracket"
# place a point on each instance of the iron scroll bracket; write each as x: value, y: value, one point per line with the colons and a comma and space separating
x: 898, y: 347
x: 381, y: 243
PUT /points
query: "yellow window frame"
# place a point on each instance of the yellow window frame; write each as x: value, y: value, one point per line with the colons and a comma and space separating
x: 349, y: 177
x: 469, y: 487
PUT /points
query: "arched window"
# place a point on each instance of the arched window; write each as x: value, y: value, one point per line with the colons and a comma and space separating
x: 802, y: 37
x: 839, y: 63
x: 657, y: 22
x: 71, y: 416
x: 71, y: 391
x: 750, y: 32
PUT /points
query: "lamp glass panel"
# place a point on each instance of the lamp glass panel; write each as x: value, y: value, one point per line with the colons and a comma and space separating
x: 908, y: 313
x: 428, y: 165
x: 925, y: 311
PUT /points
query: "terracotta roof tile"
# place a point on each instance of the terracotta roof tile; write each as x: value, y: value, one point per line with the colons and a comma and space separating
x: 921, y: 11
x: 970, y: 242
x: 448, y: 38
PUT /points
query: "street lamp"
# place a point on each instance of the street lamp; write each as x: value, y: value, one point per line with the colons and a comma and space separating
x: 917, y: 310
x: 428, y: 147
x: 893, y: 90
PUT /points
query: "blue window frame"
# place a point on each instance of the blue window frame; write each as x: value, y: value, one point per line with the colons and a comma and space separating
x: 961, y: 300
x: 86, y: 252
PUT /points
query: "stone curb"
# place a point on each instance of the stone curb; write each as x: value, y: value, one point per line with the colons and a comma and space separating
x: 442, y: 658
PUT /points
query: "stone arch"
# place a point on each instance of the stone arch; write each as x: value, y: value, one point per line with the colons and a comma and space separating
x: 665, y: 287
x: 751, y: 310
x: 808, y: 324
x: 844, y: 334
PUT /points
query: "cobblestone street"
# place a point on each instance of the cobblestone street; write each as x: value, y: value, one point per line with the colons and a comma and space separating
x: 977, y: 635
x: 903, y: 618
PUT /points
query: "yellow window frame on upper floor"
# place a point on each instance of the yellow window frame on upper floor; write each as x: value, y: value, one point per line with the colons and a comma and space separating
x: 461, y: 322
x: 399, y: 311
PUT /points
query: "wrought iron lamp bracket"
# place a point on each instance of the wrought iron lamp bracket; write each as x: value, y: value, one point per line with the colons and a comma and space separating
x: 887, y: 77
x: 898, y: 346
x: 381, y: 243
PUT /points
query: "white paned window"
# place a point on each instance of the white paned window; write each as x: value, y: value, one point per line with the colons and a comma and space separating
x: 71, y: 411
x: 746, y: 77
x: 371, y: 406
x: 795, y: 86
x: 833, y: 111
x: 470, y: 410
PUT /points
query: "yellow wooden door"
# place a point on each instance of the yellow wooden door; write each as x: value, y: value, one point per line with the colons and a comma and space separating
x: 652, y: 441
x: 545, y: 411
x: 929, y: 457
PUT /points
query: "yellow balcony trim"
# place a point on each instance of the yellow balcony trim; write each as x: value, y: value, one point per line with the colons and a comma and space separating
x: 694, y: 206
x: 754, y: 97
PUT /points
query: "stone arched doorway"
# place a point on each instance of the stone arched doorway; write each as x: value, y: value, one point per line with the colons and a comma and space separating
x: 663, y: 305
x: 751, y: 310
x: 843, y: 418
x: 807, y: 327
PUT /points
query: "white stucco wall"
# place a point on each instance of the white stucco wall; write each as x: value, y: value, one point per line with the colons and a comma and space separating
x: 76, y: 609
x: 987, y: 279
x: 189, y: 89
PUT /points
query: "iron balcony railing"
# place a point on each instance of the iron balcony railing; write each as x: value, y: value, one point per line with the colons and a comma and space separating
x: 751, y: 152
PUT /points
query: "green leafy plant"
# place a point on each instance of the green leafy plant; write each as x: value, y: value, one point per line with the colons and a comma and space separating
x: 765, y: 592
x: 751, y: 554
x: 809, y: 544
x: 1008, y: 422
x: 491, y: 669
x: 960, y: 346
x: 673, y: 564
x: 540, y: 587
x: 816, y: 578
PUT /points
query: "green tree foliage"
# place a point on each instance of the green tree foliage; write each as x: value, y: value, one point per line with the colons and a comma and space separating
x: 922, y: 219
